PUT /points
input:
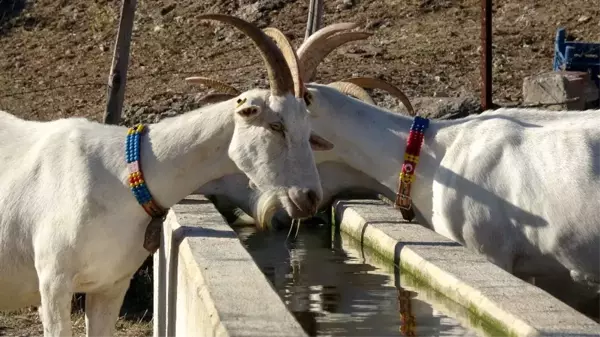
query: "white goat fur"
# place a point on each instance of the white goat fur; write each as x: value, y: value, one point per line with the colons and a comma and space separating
x: 232, y: 191
x: 69, y: 223
x: 512, y: 184
x: 229, y: 194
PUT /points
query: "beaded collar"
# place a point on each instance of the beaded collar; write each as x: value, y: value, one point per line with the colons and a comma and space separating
x: 411, y: 159
x: 136, y: 177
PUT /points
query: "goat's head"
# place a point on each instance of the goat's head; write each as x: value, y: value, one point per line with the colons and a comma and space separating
x: 272, y: 139
x: 316, y: 96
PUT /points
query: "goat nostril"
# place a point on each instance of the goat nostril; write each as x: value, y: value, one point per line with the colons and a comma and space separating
x: 312, y: 197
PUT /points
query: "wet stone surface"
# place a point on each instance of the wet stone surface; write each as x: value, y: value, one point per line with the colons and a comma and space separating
x: 332, y: 290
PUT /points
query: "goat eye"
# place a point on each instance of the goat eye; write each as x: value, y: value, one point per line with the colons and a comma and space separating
x: 276, y: 127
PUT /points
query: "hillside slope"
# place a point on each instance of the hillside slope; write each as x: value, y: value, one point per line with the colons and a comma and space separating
x: 427, y: 47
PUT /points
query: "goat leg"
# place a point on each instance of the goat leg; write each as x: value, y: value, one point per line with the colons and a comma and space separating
x: 102, y: 309
x: 56, y: 290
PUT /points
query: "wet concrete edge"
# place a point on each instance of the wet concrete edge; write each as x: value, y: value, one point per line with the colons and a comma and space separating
x: 494, y: 295
x: 220, y: 290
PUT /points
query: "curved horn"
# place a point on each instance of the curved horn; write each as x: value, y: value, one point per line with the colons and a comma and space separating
x: 215, y: 98
x: 314, y: 53
x: 324, y: 33
x: 290, y: 57
x: 280, y: 78
x: 352, y: 89
x: 376, y: 83
x: 211, y: 83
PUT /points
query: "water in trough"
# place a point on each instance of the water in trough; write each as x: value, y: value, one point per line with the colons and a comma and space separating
x: 336, y: 288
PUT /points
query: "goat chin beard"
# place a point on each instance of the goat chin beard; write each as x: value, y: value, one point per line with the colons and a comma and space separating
x: 267, y: 205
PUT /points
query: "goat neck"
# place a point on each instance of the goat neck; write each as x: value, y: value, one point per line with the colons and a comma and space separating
x: 172, y: 150
x: 373, y: 140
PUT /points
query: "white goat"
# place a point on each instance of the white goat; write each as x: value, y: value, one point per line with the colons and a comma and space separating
x: 69, y: 221
x: 511, y: 184
x: 229, y: 194
x: 239, y: 202
x: 235, y: 199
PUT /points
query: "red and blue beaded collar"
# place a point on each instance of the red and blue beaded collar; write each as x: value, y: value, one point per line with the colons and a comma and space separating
x: 403, y: 200
x: 136, y: 177
x: 411, y: 159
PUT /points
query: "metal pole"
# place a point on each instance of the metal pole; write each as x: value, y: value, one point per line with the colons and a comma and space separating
x: 315, y: 17
x: 486, y: 54
x: 309, y: 21
x: 318, y: 19
x: 118, y: 74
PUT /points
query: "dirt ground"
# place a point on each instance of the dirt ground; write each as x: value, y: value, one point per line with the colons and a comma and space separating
x: 135, y: 318
x: 25, y: 323
x: 55, y: 57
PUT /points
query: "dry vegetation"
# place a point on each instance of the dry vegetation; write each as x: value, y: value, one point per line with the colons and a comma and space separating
x: 25, y: 322
x: 135, y: 317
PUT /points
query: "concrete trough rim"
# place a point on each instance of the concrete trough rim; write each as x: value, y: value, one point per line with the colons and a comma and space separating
x: 407, y: 282
x: 348, y: 220
x: 207, y: 283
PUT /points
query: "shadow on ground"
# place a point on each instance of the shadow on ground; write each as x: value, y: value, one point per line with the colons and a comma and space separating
x: 9, y: 9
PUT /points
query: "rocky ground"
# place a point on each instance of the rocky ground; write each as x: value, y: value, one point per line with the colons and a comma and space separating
x: 55, y: 58
x: 57, y: 54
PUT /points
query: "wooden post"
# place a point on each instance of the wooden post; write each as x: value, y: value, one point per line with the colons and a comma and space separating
x: 315, y: 17
x: 486, y: 55
x: 117, y: 79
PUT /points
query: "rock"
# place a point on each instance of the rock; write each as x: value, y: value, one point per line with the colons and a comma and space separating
x: 447, y: 107
x: 374, y: 24
x: 583, y: 19
x: 344, y: 4
x: 560, y: 90
x: 250, y: 12
x: 434, y: 107
x: 167, y: 9
x: 260, y: 10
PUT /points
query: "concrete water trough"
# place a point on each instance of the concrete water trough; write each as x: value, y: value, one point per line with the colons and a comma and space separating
x: 370, y: 275
x: 504, y: 301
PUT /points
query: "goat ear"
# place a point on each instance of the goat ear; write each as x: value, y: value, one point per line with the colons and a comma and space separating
x: 248, y: 111
x: 318, y: 143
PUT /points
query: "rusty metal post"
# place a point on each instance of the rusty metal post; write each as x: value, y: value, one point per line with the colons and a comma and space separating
x: 118, y: 74
x: 486, y: 54
x: 315, y: 17
x: 318, y: 20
